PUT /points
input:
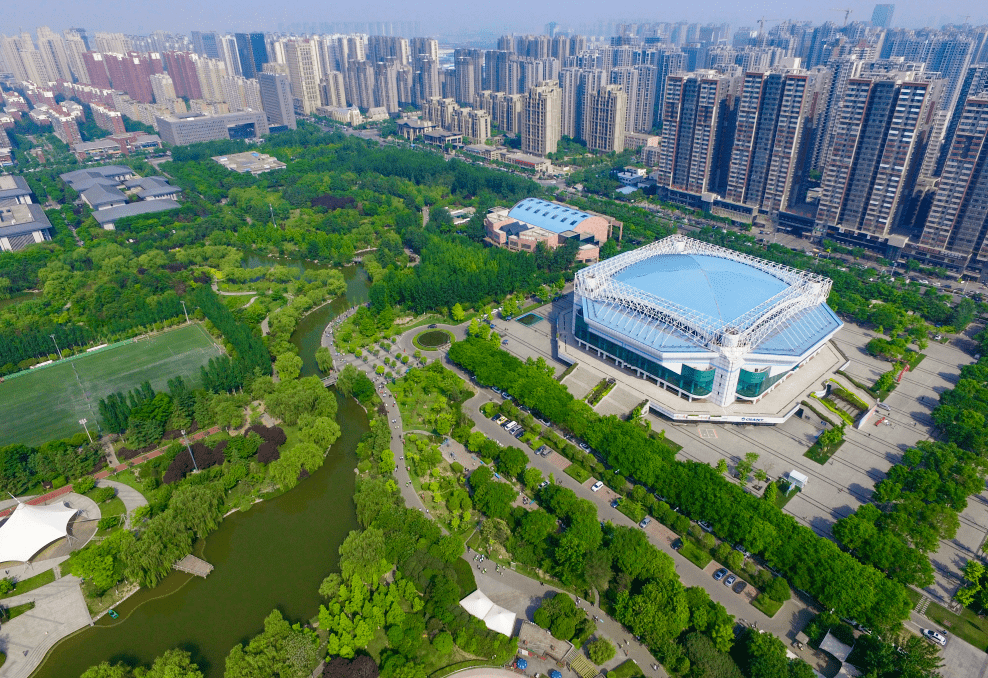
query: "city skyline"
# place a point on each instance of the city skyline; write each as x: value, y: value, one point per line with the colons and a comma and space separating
x: 458, y: 20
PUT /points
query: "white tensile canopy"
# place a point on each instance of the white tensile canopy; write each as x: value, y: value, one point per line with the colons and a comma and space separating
x: 31, y: 528
x: 495, y: 617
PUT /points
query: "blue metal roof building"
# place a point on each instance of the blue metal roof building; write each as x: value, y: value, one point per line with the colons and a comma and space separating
x: 548, y: 215
x: 702, y: 320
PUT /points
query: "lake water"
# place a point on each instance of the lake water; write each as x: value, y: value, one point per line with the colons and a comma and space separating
x: 274, y: 555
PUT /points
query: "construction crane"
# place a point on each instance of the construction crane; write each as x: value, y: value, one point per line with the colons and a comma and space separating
x: 847, y: 13
x: 761, y: 24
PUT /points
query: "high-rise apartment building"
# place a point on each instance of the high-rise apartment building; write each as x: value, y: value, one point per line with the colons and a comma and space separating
x: 695, y: 131
x: 303, y: 69
x: 131, y: 73
x: 956, y: 226
x: 975, y: 81
x: 770, y: 115
x: 242, y: 94
x: 210, y: 73
x: 333, y: 90
x: 181, y: 67
x: 541, y: 131
x: 163, y: 88
x: 877, y: 137
x: 605, y: 114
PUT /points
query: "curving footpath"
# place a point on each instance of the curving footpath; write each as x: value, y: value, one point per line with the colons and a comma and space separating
x: 130, y: 497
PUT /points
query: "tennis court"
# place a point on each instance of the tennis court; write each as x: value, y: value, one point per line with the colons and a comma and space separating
x: 48, y: 402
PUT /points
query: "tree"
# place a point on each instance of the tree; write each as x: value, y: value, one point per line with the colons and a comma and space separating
x: 173, y: 664
x: 108, y: 670
x: 288, y: 366
x: 721, y: 466
x: 457, y: 313
x: 443, y: 643
x: 324, y: 359
x: 601, y: 651
x: 362, y: 554
x: 494, y: 531
x: 280, y: 651
x: 532, y: 477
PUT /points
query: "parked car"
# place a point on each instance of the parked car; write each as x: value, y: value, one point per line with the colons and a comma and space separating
x: 543, y: 484
x: 584, y: 447
x: 433, y: 326
x: 730, y: 580
x: 705, y: 526
x: 720, y: 574
x: 615, y: 503
x: 743, y: 551
x: 935, y: 636
x: 740, y: 586
x: 885, y: 407
x: 597, y: 485
x: 645, y: 521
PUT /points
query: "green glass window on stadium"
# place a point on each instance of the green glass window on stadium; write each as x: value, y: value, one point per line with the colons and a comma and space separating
x: 693, y: 381
x: 753, y: 384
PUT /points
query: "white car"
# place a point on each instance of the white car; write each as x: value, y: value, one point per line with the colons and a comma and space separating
x: 597, y: 485
x: 935, y: 636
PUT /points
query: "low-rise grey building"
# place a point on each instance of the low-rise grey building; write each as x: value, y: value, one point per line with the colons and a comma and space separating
x: 22, y: 225
x: 14, y: 191
x: 253, y: 162
x: 108, y: 218
x: 192, y: 128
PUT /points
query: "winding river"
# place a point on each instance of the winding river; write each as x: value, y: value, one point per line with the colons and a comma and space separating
x: 273, y: 556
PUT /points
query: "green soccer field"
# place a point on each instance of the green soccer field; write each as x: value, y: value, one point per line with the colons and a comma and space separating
x: 48, y: 403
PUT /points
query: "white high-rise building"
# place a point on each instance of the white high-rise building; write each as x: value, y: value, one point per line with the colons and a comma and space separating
x: 303, y: 68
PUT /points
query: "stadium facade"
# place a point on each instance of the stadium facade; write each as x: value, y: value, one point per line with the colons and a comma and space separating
x: 703, y: 321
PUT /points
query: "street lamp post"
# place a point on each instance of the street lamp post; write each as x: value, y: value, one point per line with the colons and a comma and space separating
x: 186, y: 441
x: 56, y: 346
x: 186, y: 311
x: 83, y: 422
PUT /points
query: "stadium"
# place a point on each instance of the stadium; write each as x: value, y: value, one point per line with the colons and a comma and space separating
x: 703, y: 322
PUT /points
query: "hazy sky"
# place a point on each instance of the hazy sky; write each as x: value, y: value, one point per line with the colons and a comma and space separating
x: 144, y: 16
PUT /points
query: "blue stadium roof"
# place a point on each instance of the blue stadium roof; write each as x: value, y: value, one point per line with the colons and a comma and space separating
x: 548, y: 215
x: 718, y: 288
x: 801, y: 332
x: 643, y: 330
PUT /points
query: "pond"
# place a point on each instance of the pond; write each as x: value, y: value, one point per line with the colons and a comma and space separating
x: 274, y: 555
x: 18, y: 297
x: 530, y: 319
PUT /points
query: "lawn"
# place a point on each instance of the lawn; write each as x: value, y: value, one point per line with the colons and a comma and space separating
x: 821, y: 454
x: 694, y: 554
x: 48, y: 402
x: 766, y: 605
x: 626, y: 670
x: 966, y: 625
x: 31, y: 583
x: 577, y: 472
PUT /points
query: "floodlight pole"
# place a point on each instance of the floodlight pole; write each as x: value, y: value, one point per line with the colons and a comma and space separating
x: 186, y: 311
x: 56, y: 346
x: 186, y: 441
x: 83, y: 422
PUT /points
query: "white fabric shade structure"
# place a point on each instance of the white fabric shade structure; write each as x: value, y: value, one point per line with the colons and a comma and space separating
x: 495, y: 617
x: 31, y: 528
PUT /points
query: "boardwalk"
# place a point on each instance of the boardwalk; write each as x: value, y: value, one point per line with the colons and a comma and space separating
x: 193, y: 565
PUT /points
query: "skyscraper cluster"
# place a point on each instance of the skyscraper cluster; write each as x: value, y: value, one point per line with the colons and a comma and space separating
x: 858, y: 131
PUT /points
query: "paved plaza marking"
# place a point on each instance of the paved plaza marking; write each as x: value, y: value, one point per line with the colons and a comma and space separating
x: 706, y: 432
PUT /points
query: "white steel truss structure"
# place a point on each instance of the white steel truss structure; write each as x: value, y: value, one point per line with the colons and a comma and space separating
x: 804, y: 290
